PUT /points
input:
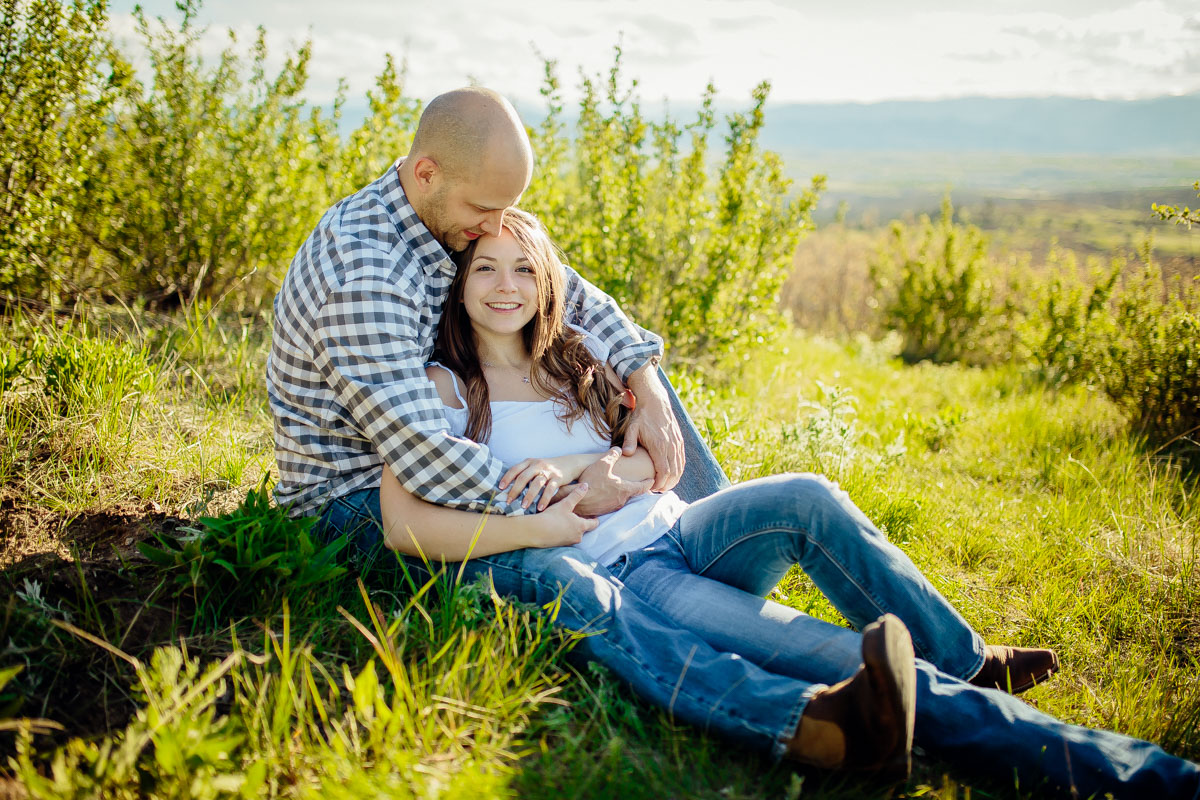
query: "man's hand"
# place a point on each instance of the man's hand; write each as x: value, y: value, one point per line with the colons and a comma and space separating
x: 654, y: 426
x: 606, y: 491
x: 563, y: 523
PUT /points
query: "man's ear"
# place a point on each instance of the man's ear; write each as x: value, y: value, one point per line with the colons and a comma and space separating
x: 427, y: 172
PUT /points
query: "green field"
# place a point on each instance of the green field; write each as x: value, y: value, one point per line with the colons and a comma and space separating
x: 1030, y: 509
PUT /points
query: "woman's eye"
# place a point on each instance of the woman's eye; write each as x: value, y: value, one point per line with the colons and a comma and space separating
x: 483, y: 267
x: 525, y: 269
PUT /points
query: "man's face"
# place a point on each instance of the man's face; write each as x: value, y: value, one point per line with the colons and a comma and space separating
x: 460, y: 211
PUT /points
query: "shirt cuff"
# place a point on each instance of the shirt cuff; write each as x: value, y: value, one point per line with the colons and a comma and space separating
x: 629, y: 359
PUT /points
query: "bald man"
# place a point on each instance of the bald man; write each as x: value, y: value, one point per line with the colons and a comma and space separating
x: 357, y: 314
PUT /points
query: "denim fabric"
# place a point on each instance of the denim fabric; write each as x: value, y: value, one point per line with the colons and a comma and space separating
x: 702, y: 474
x: 684, y: 624
x: 711, y: 571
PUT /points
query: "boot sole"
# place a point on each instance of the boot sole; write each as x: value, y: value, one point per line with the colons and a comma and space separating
x: 887, y: 651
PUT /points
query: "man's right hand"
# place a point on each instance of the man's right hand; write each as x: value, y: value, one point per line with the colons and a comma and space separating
x: 562, y: 524
x: 606, y: 491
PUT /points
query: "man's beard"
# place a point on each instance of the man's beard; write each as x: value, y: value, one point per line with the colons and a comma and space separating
x: 438, y: 225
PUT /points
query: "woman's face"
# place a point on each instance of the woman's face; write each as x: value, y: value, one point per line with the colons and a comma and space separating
x: 500, y: 290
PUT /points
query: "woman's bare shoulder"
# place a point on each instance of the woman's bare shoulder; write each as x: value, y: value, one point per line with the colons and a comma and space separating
x: 444, y: 380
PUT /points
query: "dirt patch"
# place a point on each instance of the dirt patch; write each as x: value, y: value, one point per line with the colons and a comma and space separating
x: 28, y: 531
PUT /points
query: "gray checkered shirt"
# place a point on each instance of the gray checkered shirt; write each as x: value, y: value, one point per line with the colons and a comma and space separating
x: 355, y: 322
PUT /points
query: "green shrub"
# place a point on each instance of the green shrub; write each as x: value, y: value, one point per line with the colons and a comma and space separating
x: 196, y: 186
x: 1071, y: 319
x: 1181, y: 216
x: 1151, y: 364
x: 692, y: 244
x: 54, y: 99
x: 933, y: 286
x: 1136, y: 337
x: 246, y: 561
x: 205, y: 178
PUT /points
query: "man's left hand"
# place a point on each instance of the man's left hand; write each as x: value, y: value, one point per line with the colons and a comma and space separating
x: 653, y: 425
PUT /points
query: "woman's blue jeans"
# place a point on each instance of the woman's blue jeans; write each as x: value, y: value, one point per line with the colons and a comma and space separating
x: 685, y: 624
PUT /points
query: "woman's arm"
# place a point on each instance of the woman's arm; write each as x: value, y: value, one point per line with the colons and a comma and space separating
x: 415, y: 527
x: 637, y: 467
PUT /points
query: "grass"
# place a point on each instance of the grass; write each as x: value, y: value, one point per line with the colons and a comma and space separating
x: 215, y: 668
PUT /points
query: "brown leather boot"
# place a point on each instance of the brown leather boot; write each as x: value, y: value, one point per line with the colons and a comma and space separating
x: 865, y: 723
x: 1015, y: 669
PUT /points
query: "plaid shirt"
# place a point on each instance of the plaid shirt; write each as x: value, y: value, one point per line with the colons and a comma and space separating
x: 355, y: 322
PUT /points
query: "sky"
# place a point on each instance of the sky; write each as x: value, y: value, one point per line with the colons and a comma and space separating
x: 860, y: 51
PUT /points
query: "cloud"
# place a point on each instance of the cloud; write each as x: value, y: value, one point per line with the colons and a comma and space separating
x: 866, y: 51
x: 666, y: 31
x: 985, y: 57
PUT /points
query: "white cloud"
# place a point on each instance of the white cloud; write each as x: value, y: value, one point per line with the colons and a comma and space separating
x: 864, y: 51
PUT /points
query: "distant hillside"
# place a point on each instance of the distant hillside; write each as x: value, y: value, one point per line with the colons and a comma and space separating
x: 1051, y: 125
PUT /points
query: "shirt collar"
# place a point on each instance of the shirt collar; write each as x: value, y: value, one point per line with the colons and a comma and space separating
x: 428, y: 252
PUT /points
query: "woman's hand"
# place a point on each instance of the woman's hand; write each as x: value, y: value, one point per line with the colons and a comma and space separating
x: 559, y: 525
x: 544, y: 476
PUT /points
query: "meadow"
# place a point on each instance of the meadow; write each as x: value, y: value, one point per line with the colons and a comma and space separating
x: 172, y: 634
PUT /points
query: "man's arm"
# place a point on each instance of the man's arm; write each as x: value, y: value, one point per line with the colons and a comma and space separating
x: 629, y: 346
x: 366, y: 347
x: 633, y: 353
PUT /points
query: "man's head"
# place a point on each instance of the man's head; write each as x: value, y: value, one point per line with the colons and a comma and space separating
x: 470, y: 161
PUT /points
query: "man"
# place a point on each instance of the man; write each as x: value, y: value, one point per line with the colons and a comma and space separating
x: 356, y: 317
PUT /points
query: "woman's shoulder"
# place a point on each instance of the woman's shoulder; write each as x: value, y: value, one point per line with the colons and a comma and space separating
x: 446, y: 383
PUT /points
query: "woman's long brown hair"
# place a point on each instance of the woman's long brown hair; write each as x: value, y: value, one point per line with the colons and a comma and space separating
x: 563, y: 368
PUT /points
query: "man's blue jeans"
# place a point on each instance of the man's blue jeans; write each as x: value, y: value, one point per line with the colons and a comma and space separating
x: 685, y: 624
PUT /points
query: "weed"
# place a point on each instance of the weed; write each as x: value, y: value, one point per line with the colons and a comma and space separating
x: 245, y: 562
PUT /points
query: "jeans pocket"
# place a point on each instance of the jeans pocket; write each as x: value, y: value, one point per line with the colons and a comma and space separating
x: 619, y: 567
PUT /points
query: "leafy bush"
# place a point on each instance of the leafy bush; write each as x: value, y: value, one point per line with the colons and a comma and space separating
x: 695, y: 255
x: 204, y: 179
x: 1071, y: 319
x: 1151, y: 363
x: 196, y: 186
x: 248, y: 560
x: 53, y: 102
x: 1181, y: 216
x: 933, y: 286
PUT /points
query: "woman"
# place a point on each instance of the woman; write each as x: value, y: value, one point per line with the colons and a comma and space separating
x: 511, y: 375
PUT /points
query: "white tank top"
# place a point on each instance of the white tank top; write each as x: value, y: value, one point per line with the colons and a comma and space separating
x: 532, y: 429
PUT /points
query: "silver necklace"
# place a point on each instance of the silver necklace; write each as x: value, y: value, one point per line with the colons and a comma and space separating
x: 497, y: 366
